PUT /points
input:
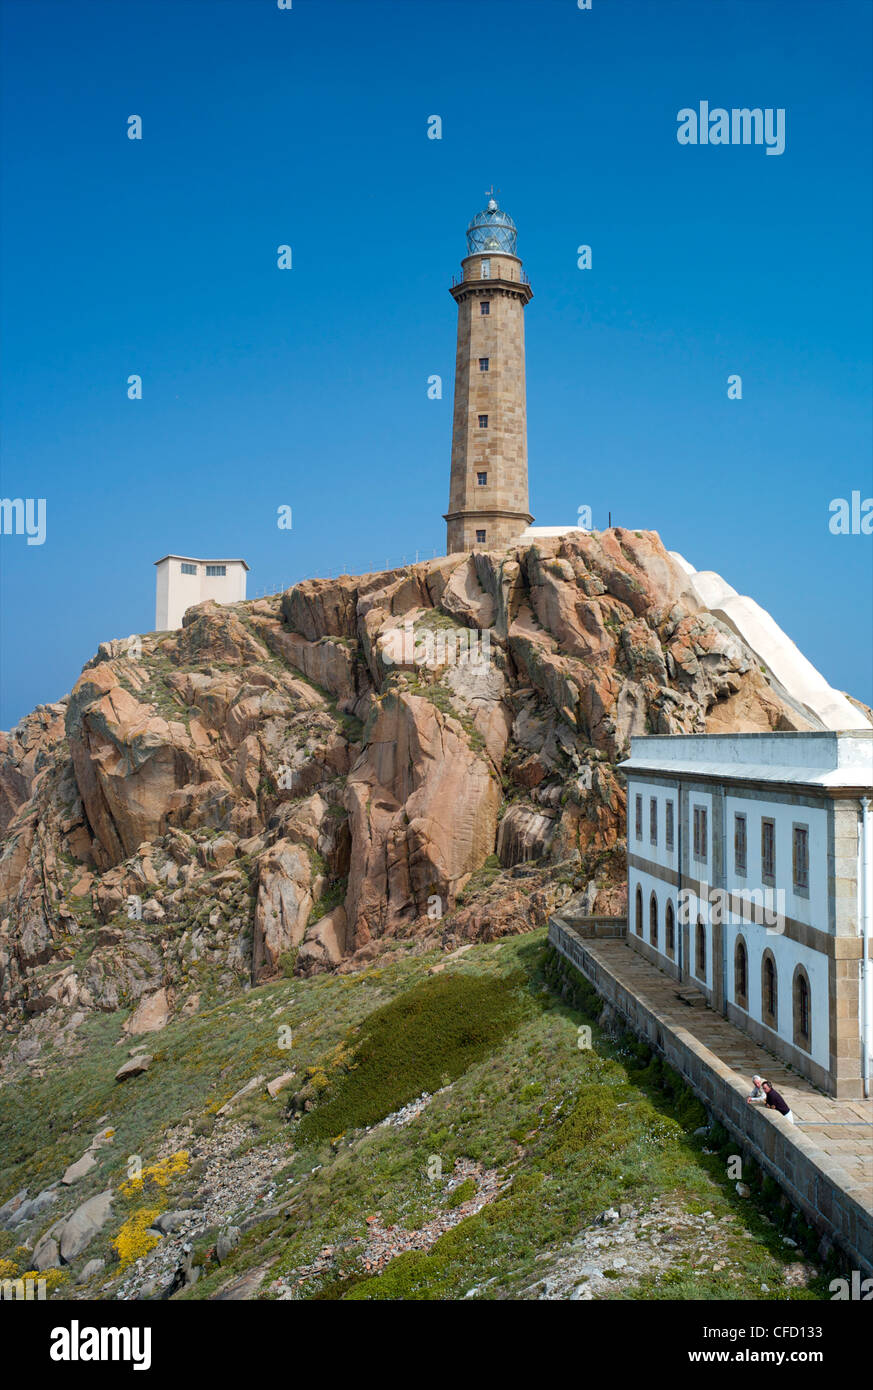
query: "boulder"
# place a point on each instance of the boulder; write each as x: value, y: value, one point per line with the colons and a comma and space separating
x: 279, y: 1083
x: 423, y: 813
x: 127, y: 761
x: 134, y: 1067
x: 170, y: 1221
x: 78, y: 1169
x: 227, y: 1241
x: 245, y: 1090
x: 85, y: 1223
x: 325, y: 943
x: 150, y: 1015
x: 524, y: 834
x: 32, y: 1208
x: 10, y: 1207
x: 283, y: 905
x: 46, y: 1254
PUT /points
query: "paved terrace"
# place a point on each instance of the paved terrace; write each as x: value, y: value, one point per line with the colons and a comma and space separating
x: 824, y: 1161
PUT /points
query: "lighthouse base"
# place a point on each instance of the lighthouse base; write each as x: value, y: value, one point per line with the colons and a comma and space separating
x: 483, y: 530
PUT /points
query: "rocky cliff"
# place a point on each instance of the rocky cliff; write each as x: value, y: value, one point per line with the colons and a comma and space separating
x: 362, y: 766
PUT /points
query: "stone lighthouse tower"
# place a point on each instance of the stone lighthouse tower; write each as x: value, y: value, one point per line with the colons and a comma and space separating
x: 488, y: 503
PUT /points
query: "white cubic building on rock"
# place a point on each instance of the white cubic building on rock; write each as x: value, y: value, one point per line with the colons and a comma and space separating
x: 183, y: 581
x: 750, y: 876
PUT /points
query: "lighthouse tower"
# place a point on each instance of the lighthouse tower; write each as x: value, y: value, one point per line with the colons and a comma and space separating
x: 488, y: 503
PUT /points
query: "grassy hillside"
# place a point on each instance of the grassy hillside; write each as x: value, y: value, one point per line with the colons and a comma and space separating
x: 526, y: 1140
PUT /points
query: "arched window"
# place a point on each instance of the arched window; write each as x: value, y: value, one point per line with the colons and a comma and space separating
x: 701, y: 949
x: 769, y: 990
x: 741, y: 974
x: 802, y: 1009
x: 653, y: 920
x: 639, y: 912
x: 670, y: 922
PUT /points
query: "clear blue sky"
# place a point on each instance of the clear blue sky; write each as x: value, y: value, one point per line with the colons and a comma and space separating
x: 308, y: 387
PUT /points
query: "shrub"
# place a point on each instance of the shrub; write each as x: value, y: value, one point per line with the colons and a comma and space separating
x: 157, y: 1174
x: 593, y: 1123
x: 718, y: 1136
x: 464, y: 1192
x: 54, y: 1278
x: 418, y: 1042
x: 132, y: 1240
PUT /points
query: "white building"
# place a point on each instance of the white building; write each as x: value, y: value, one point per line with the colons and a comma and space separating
x: 183, y: 581
x: 750, y: 875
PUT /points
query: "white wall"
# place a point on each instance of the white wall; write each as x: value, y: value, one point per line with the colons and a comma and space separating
x: 664, y: 893
x: 658, y: 853
x: 812, y: 909
x: 699, y: 868
x: 229, y: 589
x: 162, y: 583
x: 787, y: 954
x: 176, y: 592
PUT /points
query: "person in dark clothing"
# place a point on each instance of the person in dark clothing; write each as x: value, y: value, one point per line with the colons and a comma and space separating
x: 774, y: 1101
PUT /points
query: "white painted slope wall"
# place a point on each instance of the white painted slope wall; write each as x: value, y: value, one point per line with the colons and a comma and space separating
x: 774, y: 648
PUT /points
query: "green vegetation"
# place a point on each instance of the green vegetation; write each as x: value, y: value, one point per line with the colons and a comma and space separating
x: 419, y: 1042
x: 558, y: 1132
x: 482, y: 878
x: 329, y: 900
x: 464, y: 1192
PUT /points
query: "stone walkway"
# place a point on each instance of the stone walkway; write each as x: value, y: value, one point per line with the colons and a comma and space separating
x: 842, y: 1129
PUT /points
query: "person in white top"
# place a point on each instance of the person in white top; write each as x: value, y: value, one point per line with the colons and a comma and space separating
x: 774, y: 1101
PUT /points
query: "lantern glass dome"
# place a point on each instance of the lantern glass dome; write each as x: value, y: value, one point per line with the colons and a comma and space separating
x: 492, y: 230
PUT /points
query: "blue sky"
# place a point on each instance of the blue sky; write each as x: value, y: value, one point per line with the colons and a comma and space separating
x: 308, y: 387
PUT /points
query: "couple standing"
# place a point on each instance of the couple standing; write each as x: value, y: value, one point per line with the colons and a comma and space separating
x: 762, y: 1090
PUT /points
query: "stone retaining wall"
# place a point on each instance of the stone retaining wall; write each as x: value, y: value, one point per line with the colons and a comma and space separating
x: 812, y: 1181
x: 597, y: 928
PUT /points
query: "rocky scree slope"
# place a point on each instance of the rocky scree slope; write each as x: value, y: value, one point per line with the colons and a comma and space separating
x: 304, y: 783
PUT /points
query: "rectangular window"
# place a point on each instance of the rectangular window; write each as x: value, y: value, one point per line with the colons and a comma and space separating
x: 485, y: 306
x: 668, y: 829
x: 768, y: 851
x: 653, y: 820
x: 740, y: 847
x: 483, y: 364
x: 482, y: 479
x: 639, y: 817
x: 483, y: 422
x: 215, y: 571
x: 700, y: 839
x: 189, y: 569
x: 480, y: 537
x: 800, y: 859
x: 486, y: 270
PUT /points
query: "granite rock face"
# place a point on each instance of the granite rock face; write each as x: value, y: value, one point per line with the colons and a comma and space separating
x: 300, y: 783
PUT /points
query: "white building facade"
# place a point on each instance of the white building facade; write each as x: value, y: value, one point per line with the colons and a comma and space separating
x: 183, y: 581
x: 750, y: 876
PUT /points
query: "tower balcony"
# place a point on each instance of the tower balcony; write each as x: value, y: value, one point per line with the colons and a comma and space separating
x: 520, y: 278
